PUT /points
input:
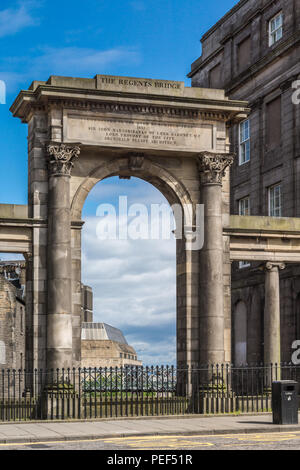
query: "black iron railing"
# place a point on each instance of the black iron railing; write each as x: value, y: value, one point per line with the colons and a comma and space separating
x: 138, y: 391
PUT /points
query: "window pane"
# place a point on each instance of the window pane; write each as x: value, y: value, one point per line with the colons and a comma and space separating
x: 275, y: 29
x: 244, y: 206
x: 247, y: 151
x: 244, y: 154
x: 275, y: 201
x: 241, y: 133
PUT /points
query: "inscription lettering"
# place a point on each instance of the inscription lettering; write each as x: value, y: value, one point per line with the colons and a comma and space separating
x: 139, y: 83
x: 129, y: 132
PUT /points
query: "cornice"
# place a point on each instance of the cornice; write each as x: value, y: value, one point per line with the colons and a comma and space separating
x: 272, y: 54
x: 169, y: 111
x: 240, y: 4
x: 223, y: 19
x: 262, y: 63
x: 198, y: 64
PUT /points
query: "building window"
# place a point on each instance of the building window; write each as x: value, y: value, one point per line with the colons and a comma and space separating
x: 244, y: 206
x: 244, y: 138
x: 275, y: 28
x: 274, y: 196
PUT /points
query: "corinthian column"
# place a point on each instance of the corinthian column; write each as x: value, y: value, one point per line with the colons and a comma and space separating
x: 59, y: 315
x: 212, y: 170
x: 272, y: 321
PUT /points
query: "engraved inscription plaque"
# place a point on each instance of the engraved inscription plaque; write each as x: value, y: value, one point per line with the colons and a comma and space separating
x: 127, y: 132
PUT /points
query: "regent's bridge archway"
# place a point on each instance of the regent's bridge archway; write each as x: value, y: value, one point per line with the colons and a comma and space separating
x: 84, y: 130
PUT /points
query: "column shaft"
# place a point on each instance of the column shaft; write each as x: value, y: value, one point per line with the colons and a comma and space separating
x: 59, y: 315
x: 211, y: 278
x: 59, y: 320
x: 272, y: 320
x: 212, y: 170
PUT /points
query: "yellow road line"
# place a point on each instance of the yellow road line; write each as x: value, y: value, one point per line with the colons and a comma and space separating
x: 193, y: 436
x: 174, y: 439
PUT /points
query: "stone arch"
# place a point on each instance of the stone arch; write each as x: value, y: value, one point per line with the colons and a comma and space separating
x: 173, y: 190
x: 240, y: 333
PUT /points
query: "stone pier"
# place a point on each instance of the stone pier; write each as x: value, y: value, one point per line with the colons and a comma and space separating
x: 59, y: 318
x: 212, y: 170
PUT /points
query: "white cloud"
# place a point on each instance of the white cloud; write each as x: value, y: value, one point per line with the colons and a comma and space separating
x: 134, y: 282
x: 68, y: 61
x: 13, y: 20
x: 155, y: 353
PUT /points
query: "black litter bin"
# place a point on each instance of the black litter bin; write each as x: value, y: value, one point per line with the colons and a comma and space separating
x: 285, y: 402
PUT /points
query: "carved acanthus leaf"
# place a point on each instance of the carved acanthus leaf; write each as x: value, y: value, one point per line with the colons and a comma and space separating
x: 212, y: 166
x: 61, y: 158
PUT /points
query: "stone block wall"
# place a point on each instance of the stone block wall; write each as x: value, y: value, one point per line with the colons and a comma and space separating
x: 12, y: 327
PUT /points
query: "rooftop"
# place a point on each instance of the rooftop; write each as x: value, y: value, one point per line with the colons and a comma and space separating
x: 223, y: 19
x: 101, y: 331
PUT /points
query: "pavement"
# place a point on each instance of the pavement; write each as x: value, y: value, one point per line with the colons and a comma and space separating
x: 52, y: 431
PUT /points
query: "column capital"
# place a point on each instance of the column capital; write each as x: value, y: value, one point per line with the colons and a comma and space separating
x: 212, y: 166
x: 61, y: 157
x: 270, y: 265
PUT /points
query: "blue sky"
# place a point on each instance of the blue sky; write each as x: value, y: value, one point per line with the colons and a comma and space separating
x: 142, y: 38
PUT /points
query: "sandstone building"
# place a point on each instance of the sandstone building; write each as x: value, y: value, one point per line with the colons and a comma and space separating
x: 253, y: 53
x: 105, y: 346
x: 102, y: 345
x: 12, y: 315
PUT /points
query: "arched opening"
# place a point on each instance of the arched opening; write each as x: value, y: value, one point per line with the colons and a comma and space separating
x: 168, y: 186
x: 240, y: 333
x: 132, y: 272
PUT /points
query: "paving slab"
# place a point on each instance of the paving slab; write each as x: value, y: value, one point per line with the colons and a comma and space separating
x: 100, y: 429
